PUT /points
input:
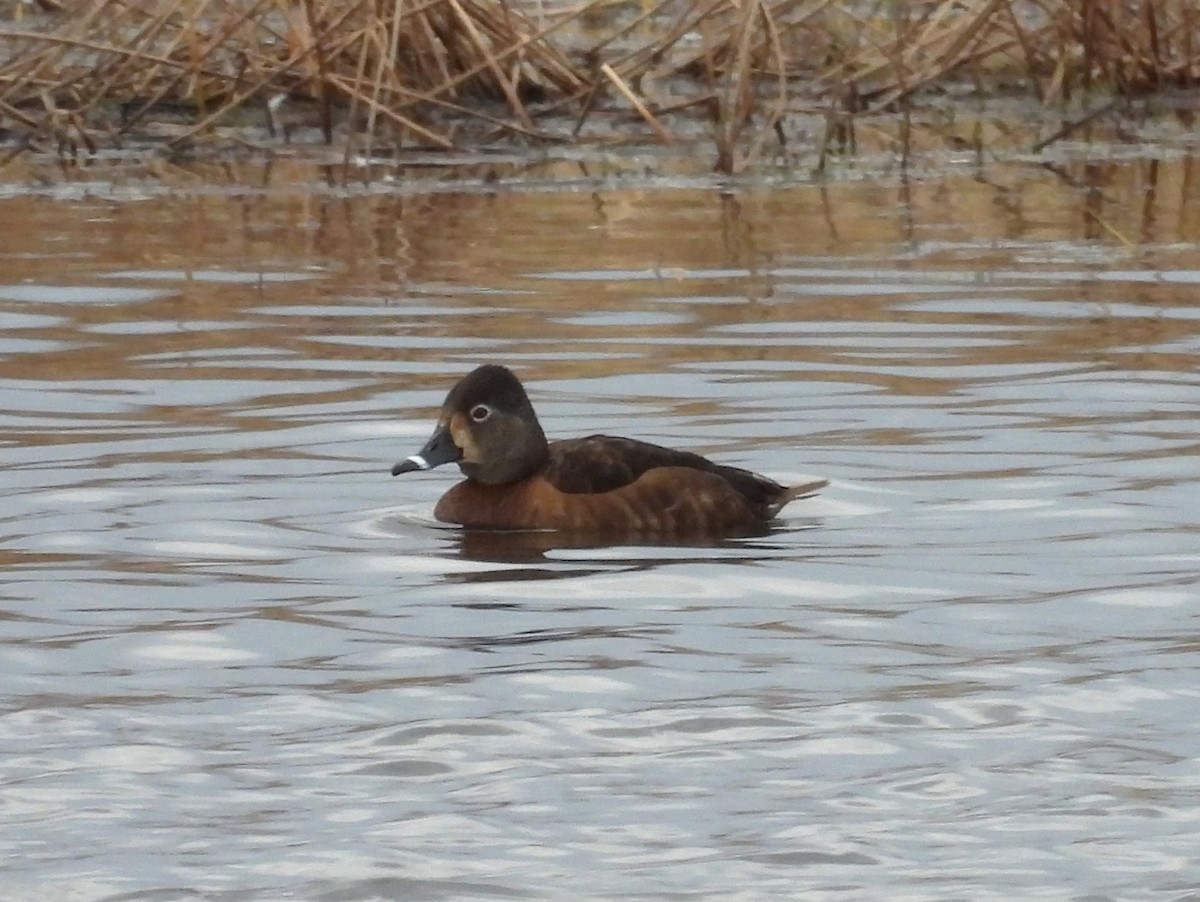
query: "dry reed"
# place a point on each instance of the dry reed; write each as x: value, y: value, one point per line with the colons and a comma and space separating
x: 77, y: 74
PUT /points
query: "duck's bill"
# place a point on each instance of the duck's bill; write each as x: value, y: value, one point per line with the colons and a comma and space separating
x: 440, y: 449
x: 413, y: 462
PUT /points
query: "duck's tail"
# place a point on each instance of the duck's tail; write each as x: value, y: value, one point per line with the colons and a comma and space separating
x: 793, y: 493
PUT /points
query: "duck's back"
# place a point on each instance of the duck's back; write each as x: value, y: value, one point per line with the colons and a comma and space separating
x: 606, y: 463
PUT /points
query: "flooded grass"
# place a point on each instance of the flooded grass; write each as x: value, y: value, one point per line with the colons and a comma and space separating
x: 452, y: 75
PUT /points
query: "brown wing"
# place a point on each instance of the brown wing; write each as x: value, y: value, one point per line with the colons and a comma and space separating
x: 605, y: 463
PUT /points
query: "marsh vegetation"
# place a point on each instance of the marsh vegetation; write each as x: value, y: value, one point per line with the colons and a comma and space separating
x: 371, y: 75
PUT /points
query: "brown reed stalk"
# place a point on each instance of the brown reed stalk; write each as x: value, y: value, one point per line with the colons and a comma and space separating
x: 735, y: 99
x: 203, y: 50
x: 186, y: 64
x: 240, y: 94
x: 636, y: 103
x: 403, y: 122
x: 322, y: 80
x: 387, y: 47
x: 128, y: 74
x: 34, y: 67
x: 774, y: 118
x: 482, y: 46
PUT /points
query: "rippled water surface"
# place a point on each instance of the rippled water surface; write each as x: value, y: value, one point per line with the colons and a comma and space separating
x: 243, y: 662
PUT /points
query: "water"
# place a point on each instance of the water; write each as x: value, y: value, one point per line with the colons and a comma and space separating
x: 242, y: 662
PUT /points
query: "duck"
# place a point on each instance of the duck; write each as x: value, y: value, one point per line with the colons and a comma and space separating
x: 598, y: 485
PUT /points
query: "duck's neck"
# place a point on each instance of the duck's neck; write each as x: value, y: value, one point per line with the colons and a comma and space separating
x: 527, y: 454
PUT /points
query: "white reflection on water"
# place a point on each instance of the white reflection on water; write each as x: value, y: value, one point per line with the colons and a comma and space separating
x: 243, y: 662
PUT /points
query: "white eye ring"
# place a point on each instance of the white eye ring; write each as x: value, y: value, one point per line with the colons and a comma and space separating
x: 480, y: 412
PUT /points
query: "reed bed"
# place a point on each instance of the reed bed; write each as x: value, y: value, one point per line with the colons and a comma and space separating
x: 77, y: 75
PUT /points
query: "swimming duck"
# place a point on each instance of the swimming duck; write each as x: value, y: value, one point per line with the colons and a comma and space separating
x: 597, y: 485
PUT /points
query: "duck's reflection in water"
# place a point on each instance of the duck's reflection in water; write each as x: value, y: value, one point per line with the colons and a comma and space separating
x: 550, y: 554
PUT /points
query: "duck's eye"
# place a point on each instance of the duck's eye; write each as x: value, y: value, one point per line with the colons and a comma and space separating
x: 480, y: 412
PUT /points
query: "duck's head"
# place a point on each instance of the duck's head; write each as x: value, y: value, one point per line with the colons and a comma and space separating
x: 488, y: 427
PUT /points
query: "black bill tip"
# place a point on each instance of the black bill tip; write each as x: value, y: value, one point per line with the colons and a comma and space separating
x: 414, y: 462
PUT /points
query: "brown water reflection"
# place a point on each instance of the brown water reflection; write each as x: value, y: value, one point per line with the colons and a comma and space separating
x: 242, y: 661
